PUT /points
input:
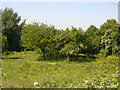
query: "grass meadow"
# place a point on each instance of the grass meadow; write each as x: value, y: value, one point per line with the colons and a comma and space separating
x: 23, y: 70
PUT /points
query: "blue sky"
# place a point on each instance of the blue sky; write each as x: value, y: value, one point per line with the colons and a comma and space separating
x: 119, y: 12
x: 66, y: 14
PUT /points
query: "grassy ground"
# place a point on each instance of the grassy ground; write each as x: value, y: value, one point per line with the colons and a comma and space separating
x: 22, y: 70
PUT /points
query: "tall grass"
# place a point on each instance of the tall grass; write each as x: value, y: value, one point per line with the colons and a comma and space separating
x: 80, y: 72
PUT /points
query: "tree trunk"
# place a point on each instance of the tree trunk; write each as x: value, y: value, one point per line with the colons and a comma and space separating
x: 43, y: 54
x: 68, y: 56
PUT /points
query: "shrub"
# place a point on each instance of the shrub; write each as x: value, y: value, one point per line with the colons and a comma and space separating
x: 102, y: 54
x: 4, y: 44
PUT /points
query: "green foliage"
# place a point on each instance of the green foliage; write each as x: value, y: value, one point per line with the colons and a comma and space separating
x: 68, y: 38
x: 4, y: 44
x: 23, y: 69
x: 107, y: 38
x: 52, y: 42
x: 91, y: 30
x: 102, y: 54
x: 85, y: 41
x: 68, y: 41
x: 37, y: 36
x: 81, y: 72
x: 54, y: 47
x: 11, y: 28
x: 110, y: 39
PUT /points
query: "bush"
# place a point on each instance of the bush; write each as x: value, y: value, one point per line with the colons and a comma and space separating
x: 6, y: 52
x: 4, y: 44
x: 102, y: 54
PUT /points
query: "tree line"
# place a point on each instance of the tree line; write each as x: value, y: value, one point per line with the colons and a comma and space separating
x: 18, y: 36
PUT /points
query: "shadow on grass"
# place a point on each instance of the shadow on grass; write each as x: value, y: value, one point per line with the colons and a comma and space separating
x: 78, y: 58
x: 82, y: 58
x: 12, y: 58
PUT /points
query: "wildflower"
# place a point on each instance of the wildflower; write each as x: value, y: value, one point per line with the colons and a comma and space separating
x: 86, y: 81
x: 90, y: 80
x: 83, y: 85
x: 113, y: 86
x: 101, y: 86
x: 53, y: 85
x: 48, y: 85
x: 35, y: 83
x: 92, y: 83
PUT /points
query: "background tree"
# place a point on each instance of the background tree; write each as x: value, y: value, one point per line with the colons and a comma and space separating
x: 91, y: 30
x: 69, y: 41
x: 0, y: 33
x: 11, y: 28
x: 4, y: 44
x: 110, y: 41
x: 54, y: 48
x: 59, y: 41
x: 37, y: 36
x: 89, y: 42
x: 85, y: 41
x: 108, y: 37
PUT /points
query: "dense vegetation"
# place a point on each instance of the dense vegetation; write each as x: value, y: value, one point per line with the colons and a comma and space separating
x: 11, y: 30
x: 85, y: 50
x: 17, y: 37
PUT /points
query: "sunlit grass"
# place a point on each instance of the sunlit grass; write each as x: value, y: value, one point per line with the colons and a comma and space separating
x: 24, y: 71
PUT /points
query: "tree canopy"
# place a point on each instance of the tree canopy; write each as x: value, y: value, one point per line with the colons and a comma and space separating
x: 11, y: 28
x: 75, y: 41
x: 37, y: 36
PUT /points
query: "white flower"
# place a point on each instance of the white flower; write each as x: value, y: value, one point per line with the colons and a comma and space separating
x: 101, y: 86
x: 113, y: 86
x: 83, y: 85
x: 35, y: 83
x: 86, y: 81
